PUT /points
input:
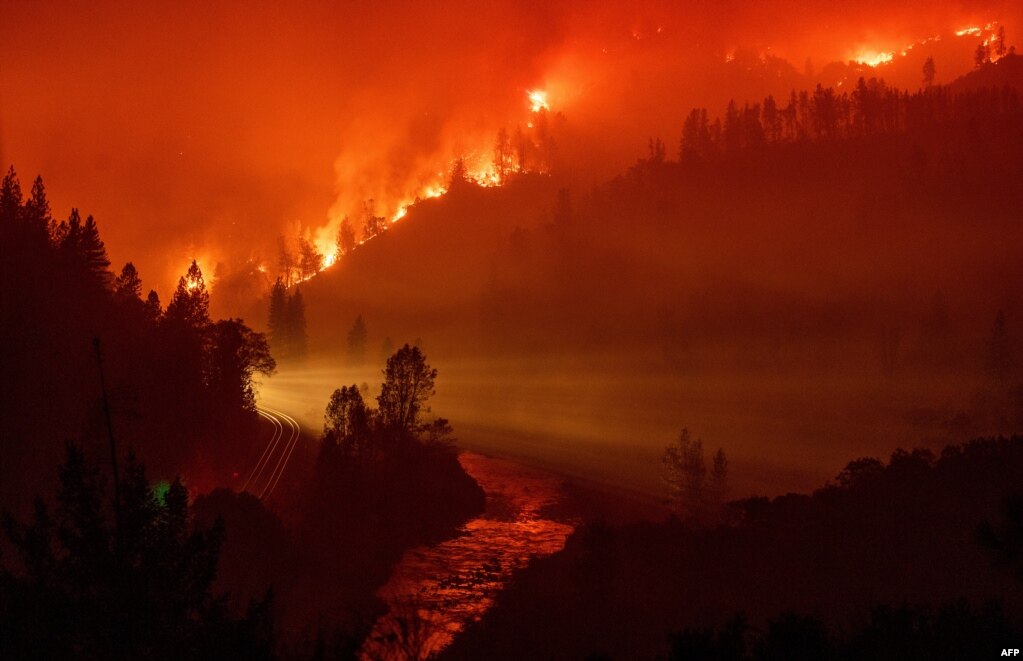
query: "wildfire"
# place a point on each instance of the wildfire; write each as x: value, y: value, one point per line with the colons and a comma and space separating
x: 477, y: 166
x: 874, y: 59
x: 433, y: 191
x: 973, y: 31
x: 538, y: 100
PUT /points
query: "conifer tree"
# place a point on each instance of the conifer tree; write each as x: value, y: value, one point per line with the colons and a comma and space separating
x: 128, y: 285
x: 345, y: 237
x: 190, y: 305
x: 296, y: 325
x: 10, y: 198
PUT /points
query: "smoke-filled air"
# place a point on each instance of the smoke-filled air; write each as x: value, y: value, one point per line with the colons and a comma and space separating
x: 511, y: 330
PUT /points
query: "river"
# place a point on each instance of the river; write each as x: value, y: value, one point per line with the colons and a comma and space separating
x: 435, y: 591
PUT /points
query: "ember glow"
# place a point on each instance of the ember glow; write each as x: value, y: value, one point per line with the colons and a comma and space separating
x: 874, y: 59
x: 538, y: 100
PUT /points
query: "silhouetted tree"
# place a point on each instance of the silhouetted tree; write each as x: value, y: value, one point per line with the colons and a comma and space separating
x: 346, y: 421
x: 982, y: 55
x: 38, y: 220
x: 190, y: 305
x: 408, y: 384
x: 238, y: 353
x: 277, y: 323
x: 521, y: 145
x: 772, y: 120
x: 929, y: 72
x: 287, y: 263
x: 152, y: 308
x: 372, y: 223
x: 298, y: 340
x: 438, y: 432
x: 860, y: 472
x: 10, y: 198
x: 140, y: 589
x: 82, y: 249
x: 128, y: 285
x: 310, y: 260
x: 345, y: 237
x: 502, y: 155
x: 459, y: 175
x: 286, y: 322
x: 1000, y: 49
x: 685, y: 475
x: 356, y: 340
x: 656, y: 150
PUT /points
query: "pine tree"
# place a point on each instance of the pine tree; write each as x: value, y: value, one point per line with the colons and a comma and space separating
x: 373, y: 224
x: 929, y: 72
x: 522, y: 146
x: 190, y: 305
x: 296, y: 325
x: 153, y: 308
x: 310, y: 260
x: 138, y: 586
x: 1000, y: 41
x: 94, y: 253
x: 37, y: 211
x: 345, y: 237
x: 128, y: 285
x: 286, y: 261
x: 82, y: 249
x: 686, y: 475
x: 278, y: 320
x: 502, y: 155
x: 982, y: 55
x: 10, y: 198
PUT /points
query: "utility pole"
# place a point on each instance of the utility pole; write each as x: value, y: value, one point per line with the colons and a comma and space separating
x: 110, y: 433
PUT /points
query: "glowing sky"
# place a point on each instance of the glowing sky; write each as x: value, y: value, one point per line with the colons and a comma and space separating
x: 203, y: 131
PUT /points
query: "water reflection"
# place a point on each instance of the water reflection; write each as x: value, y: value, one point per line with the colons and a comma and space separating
x: 434, y: 591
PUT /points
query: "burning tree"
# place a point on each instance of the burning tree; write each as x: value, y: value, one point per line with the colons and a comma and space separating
x: 345, y: 237
x: 310, y: 260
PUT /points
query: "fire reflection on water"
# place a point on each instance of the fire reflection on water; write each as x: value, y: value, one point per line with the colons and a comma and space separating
x: 435, y: 591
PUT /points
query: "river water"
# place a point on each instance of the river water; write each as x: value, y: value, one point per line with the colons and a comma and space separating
x: 435, y: 591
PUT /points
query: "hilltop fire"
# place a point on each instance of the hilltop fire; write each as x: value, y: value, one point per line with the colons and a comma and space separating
x: 486, y: 167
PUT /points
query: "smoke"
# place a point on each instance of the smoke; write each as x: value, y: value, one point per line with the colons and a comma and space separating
x: 199, y: 131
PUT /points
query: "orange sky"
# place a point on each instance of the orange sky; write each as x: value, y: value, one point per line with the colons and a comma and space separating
x: 194, y: 130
